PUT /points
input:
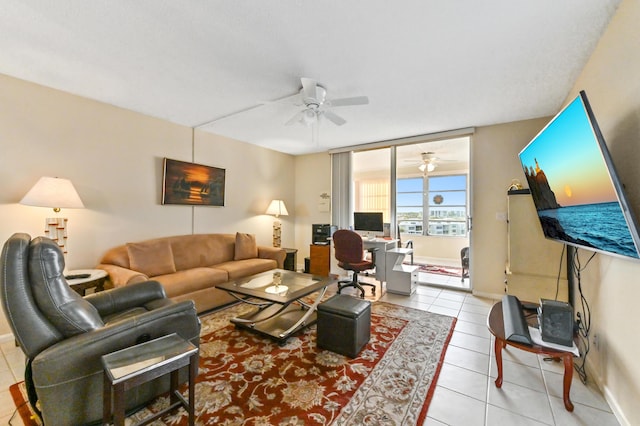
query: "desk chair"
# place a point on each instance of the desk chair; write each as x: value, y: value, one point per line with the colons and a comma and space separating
x: 349, y: 251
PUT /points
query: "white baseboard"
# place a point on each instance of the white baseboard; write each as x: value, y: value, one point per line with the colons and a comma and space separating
x: 492, y: 296
x: 6, y: 338
x: 608, y: 396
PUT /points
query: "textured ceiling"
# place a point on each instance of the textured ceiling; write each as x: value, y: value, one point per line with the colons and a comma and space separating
x: 426, y: 65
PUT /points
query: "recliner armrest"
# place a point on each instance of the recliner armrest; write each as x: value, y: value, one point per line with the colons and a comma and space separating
x: 79, y: 356
x: 122, y: 298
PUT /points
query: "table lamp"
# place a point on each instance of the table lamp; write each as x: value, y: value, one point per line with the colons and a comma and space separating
x: 55, y: 193
x: 277, y: 208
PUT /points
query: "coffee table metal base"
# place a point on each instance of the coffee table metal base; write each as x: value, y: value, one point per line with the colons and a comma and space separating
x: 281, y: 321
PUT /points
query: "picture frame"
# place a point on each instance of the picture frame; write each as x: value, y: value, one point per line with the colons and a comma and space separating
x: 192, y: 184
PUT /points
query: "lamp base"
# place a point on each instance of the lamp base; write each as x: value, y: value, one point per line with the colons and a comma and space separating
x: 277, y: 233
x: 56, y: 229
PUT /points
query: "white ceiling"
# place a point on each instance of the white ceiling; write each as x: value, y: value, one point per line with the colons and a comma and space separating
x: 426, y: 65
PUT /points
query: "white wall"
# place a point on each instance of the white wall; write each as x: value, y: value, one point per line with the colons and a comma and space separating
x: 114, y: 159
x: 611, y: 80
x: 313, y: 177
x: 494, y: 163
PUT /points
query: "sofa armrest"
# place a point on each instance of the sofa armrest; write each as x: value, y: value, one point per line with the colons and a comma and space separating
x: 123, y: 298
x: 120, y: 276
x: 276, y: 253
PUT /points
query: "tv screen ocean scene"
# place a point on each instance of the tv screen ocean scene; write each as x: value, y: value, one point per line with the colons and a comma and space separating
x: 572, y: 185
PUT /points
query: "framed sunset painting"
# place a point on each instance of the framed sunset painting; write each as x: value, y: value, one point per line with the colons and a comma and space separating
x: 192, y: 184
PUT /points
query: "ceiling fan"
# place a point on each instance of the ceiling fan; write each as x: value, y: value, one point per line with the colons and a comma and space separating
x: 317, y: 105
x: 429, y: 162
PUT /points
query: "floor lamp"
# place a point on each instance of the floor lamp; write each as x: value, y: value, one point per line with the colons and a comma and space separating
x: 55, y: 193
x: 277, y: 208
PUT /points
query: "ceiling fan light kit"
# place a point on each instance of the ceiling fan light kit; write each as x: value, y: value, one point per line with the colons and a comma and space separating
x: 429, y: 167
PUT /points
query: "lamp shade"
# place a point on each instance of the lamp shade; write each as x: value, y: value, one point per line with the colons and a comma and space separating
x: 53, y: 192
x: 277, y: 208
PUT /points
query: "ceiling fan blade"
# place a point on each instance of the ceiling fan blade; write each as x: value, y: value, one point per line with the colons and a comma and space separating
x: 296, y: 118
x: 334, y: 118
x: 315, y: 133
x: 357, y: 100
x: 309, y: 88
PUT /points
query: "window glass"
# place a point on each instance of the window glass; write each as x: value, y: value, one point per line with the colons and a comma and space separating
x: 446, y: 202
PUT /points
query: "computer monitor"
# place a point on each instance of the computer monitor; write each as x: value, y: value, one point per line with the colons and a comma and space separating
x: 368, y: 221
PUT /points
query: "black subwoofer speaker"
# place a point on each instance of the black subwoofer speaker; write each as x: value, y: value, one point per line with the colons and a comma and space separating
x: 556, y: 322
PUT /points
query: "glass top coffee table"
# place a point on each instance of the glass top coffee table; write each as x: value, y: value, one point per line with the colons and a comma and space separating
x: 274, y: 293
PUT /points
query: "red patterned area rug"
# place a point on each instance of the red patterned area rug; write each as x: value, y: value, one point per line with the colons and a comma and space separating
x: 450, y: 271
x: 245, y: 379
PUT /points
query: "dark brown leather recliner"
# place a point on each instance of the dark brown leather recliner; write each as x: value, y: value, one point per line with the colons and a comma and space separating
x: 64, y: 335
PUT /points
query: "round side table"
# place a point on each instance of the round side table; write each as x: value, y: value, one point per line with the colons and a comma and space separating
x: 96, y: 279
x: 496, y: 327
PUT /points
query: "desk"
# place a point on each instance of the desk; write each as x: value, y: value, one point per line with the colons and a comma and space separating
x: 401, y: 278
x: 495, y: 323
x: 383, y: 246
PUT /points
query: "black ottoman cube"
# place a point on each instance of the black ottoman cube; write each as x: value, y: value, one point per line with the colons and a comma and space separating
x: 344, y: 324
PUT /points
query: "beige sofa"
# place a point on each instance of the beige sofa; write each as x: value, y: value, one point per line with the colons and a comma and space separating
x: 189, y: 266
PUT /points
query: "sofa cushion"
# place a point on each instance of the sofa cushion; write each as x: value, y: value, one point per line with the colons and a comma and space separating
x: 201, y: 250
x: 185, y: 282
x: 152, y: 258
x: 244, y: 268
x: 246, y: 247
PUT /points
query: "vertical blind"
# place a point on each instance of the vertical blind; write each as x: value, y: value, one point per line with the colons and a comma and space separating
x: 372, y: 195
x: 341, y: 189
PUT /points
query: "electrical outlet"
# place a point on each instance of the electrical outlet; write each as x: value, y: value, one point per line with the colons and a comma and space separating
x: 596, y: 341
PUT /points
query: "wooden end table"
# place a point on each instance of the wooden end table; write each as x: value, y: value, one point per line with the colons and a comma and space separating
x: 495, y: 323
x: 142, y: 363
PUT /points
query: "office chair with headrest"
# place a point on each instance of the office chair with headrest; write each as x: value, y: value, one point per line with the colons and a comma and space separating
x: 350, y: 253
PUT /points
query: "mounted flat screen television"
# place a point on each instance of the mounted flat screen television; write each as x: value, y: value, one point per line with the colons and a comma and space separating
x: 366, y: 221
x: 576, y: 191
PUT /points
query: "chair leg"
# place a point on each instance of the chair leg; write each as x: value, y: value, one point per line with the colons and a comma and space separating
x: 355, y: 283
x: 351, y: 284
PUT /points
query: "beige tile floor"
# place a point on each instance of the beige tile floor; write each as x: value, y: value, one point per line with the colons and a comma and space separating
x: 465, y: 393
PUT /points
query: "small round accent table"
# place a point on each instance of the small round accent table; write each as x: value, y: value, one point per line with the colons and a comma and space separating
x: 96, y: 279
x: 496, y: 327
